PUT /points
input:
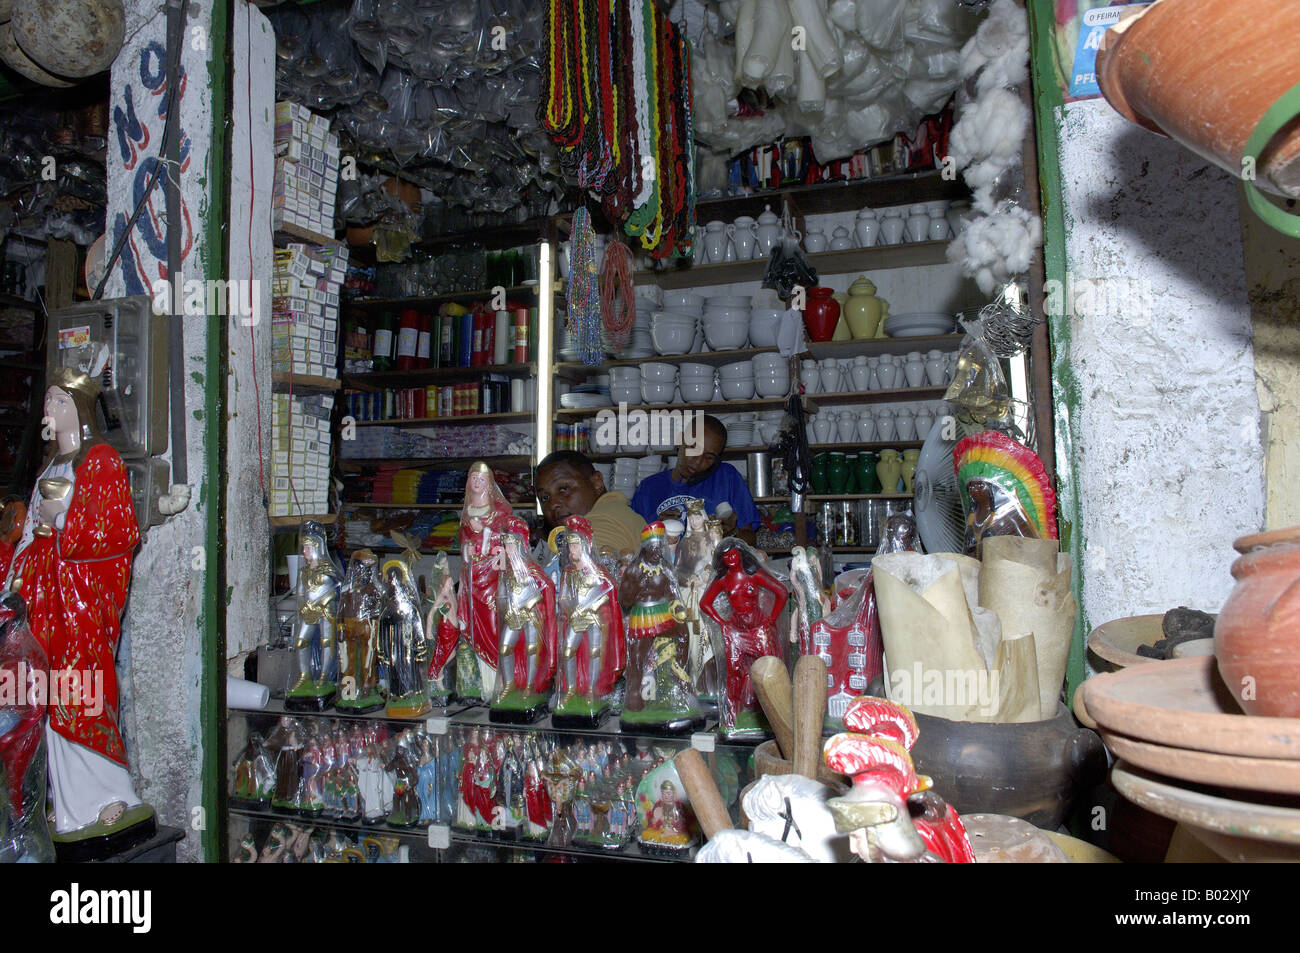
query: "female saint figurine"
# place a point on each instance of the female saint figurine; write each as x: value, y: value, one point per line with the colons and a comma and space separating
x: 659, y: 695
x: 757, y: 600
x: 526, y: 623
x: 403, y: 647
x: 593, y: 649
x: 443, y: 626
x: 481, y: 519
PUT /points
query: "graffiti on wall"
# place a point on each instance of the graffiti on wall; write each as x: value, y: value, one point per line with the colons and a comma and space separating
x: 139, y: 139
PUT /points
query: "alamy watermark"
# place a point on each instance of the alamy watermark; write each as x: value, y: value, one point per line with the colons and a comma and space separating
x: 198, y: 298
x: 654, y: 428
x: 1131, y: 298
x: 69, y: 688
x: 969, y: 688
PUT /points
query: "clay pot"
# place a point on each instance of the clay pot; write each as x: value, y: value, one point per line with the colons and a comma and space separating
x: 768, y: 760
x: 862, y: 310
x: 1257, y: 635
x: 1032, y: 770
x: 821, y: 314
x: 1159, y: 71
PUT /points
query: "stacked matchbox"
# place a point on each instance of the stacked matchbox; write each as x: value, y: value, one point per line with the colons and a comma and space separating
x: 305, y: 300
x: 306, y: 169
x: 300, y: 454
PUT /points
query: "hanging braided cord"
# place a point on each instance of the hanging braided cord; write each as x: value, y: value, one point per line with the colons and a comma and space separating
x: 583, y: 293
x: 626, y: 179
x: 686, y: 226
x: 617, y: 297
x: 647, y: 118
x: 608, y: 100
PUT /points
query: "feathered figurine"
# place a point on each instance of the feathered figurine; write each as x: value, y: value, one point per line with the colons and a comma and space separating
x: 1004, y: 490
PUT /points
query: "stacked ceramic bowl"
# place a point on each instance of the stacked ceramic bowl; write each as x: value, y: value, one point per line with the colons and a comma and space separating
x: 658, y: 383
x: 625, y: 476
x: 648, y: 466
x: 726, y: 322
x: 737, y: 380
x: 764, y: 324
x: 565, y: 346
x: 740, y: 431
x: 673, y: 332
x: 695, y: 382
x: 625, y: 385
x: 771, y: 375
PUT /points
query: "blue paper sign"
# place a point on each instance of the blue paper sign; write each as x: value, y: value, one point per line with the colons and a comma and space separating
x: 1095, y: 23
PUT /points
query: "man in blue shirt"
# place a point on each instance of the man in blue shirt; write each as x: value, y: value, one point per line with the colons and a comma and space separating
x: 700, y: 473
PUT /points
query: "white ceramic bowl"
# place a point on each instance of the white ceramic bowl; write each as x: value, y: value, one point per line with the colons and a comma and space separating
x: 736, y: 371
x: 772, y: 386
x: 733, y: 314
x: 624, y: 375
x: 725, y: 336
x: 727, y: 301
x: 672, y: 338
x: 679, y: 300
x: 626, y: 393
x: 738, y: 389
x: 694, y: 371
x: 770, y: 364
x: 652, y: 372
x: 696, y: 391
x: 658, y: 392
x: 764, y: 323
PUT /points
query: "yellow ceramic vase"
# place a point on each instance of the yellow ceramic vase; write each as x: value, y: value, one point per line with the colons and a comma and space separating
x: 909, y: 468
x: 889, y: 470
x: 863, y: 309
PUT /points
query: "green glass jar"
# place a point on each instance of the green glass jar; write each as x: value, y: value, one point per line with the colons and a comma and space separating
x: 837, y: 473
x: 867, y: 480
x: 819, y: 463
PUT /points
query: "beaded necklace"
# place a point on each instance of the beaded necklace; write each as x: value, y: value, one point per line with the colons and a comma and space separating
x: 647, y: 108
x: 583, y: 293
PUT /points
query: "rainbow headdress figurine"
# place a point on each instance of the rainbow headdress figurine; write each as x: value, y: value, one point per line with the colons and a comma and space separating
x: 1004, y: 489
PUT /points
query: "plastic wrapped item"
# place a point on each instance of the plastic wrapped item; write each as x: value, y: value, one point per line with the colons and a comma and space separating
x: 979, y: 389
x: 787, y: 269
x: 1005, y: 490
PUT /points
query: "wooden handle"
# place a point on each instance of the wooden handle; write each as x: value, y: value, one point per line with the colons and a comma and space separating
x: 809, y: 714
x: 706, y: 801
x: 772, y: 685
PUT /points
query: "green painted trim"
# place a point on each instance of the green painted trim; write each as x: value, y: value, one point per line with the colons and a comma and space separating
x: 216, y: 264
x: 1048, y: 109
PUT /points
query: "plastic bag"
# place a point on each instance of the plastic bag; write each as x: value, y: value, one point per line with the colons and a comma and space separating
x: 788, y: 269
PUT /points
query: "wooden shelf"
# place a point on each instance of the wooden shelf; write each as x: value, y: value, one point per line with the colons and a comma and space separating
x: 511, y: 418
x: 491, y: 237
x: 728, y: 453
x: 376, y: 380
x: 722, y: 406
x: 427, y: 301
x: 304, y: 381
x: 880, y: 258
x: 517, y: 461
x: 576, y: 371
x: 289, y: 522
x: 902, y: 188
x: 358, y: 505
x: 836, y: 497
x: 876, y: 396
x: 872, y: 347
x: 289, y: 233
x: 816, y: 448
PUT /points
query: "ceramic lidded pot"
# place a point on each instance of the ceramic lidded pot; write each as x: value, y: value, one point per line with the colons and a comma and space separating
x: 821, y: 313
x: 889, y: 470
x: 1257, y: 635
x: 862, y: 310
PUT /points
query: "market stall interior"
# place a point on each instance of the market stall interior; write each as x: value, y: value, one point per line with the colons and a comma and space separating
x: 666, y: 445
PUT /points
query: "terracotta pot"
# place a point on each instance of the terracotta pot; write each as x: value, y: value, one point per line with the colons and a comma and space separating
x: 1257, y: 636
x: 1203, y: 72
x: 1032, y: 770
x: 821, y: 314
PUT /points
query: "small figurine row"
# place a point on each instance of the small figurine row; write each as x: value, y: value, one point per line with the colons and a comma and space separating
x: 289, y: 843
x: 357, y: 774
x: 578, y: 637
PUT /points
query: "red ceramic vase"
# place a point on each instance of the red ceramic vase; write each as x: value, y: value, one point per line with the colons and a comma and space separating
x: 1257, y: 636
x: 821, y: 313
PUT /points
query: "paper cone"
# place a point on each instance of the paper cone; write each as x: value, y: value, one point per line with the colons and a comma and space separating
x: 929, y: 634
x: 1017, y: 682
x: 1027, y: 583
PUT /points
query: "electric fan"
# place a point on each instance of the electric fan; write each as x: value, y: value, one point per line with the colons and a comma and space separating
x: 940, y: 518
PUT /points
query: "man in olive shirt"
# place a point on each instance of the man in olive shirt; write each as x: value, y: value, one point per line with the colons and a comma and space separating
x: 569, y: 485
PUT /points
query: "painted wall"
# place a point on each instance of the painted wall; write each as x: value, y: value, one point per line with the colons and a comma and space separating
x: 248, y: 390
x: 1163, y: 420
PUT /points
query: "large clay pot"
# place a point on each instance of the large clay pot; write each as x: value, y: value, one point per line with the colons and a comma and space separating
x: 862, y: 309
x: 820, y: 314
x: 1257, y: 635
x: 72, y: 38
x: 1031, y: 770
x: 1203, y: 72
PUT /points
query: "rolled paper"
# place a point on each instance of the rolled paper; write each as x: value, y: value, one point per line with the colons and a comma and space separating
x: 772, y: 685
x: 1027, y: 583
x: 1017, y: 682
x: 930, y: 635
x: 702, y: 791
x: 251, y: 696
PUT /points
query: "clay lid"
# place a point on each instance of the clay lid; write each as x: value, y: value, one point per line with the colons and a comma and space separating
x: 1273, y: 537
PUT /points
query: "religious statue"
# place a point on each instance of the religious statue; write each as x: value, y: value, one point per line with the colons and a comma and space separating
x: 593, y: 651
x: 361, y: 603
x: 442, y: 624
x: 749, y: 632
x: 526, y: 623
x: 24, y: 833
x: 403, y: 647
x: 312, y: 679
x: 405, y: 811
x: 254, y: 776
x: 659, y: 696
x: 537, y: 803
x: 666, y: 821
x: 481, y: 519
x: 72, y: 566
x: 694, y: 564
